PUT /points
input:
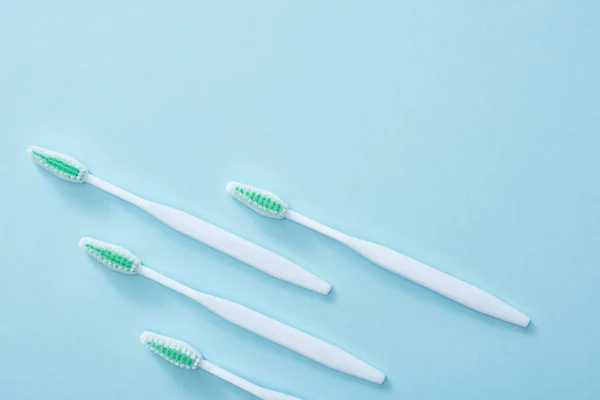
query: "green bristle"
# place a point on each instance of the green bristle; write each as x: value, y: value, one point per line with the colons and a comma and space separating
x: 110, y: 255
x: 175, y: 356
x: 61, y: 165
x: 174, y: 351
x: 259, y: 200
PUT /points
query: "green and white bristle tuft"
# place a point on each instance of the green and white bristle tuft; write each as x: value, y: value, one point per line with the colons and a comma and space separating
x: 261, y: 201
x: 114, y: 257
x: 175, y: 351
x: 61, y: 165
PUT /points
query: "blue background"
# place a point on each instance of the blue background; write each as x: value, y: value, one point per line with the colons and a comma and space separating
x: 464, y: 134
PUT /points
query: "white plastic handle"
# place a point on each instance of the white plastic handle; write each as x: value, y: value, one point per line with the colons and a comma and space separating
x: 291, y: 338
x: 420, y: 273
x: 439, y: 282
x: 245, y: 251
x: 277, y: 332
x: 219, y: 239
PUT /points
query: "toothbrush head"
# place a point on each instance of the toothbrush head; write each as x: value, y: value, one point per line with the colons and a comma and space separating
x: 261, y: 201
x: 114, y: 257
x: 175, y: 351
x: 61, y: 165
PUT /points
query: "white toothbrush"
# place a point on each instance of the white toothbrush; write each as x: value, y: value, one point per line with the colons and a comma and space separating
x: 268, y: 204
x: 185, y: 356
x: 71, y: 170
x: 122, y: 260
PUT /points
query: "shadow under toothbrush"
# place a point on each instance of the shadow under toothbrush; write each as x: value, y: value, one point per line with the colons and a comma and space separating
x: 80, y: 195
x: 130, y: 287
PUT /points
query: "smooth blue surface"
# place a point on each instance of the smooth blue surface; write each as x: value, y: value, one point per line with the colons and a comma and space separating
x: 464, y: 134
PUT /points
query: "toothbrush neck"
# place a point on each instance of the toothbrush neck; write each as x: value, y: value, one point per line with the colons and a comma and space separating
x: 231, y: 378
x: 116, y: 191
x: 317, y: 226
x: 173, y: 284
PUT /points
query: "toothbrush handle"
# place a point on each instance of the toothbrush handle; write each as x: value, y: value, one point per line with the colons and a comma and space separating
x: 424, y: 275
x: 277, y: 332
x: 219, y: 239
x: 439, y: 282
x: 250, y: 387
x: 245, y: 251
x: 291, y: 338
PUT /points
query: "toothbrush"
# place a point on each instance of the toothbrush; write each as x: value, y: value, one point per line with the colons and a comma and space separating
x: 121, y: 260
x: 268, y: 204
x: 71, y: 170
x: 185, y: 356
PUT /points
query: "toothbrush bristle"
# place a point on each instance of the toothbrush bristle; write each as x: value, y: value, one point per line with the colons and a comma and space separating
x: 61, y: 165
x: 114, y: 257
x: 175, y: 351
x: 261, y: 201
